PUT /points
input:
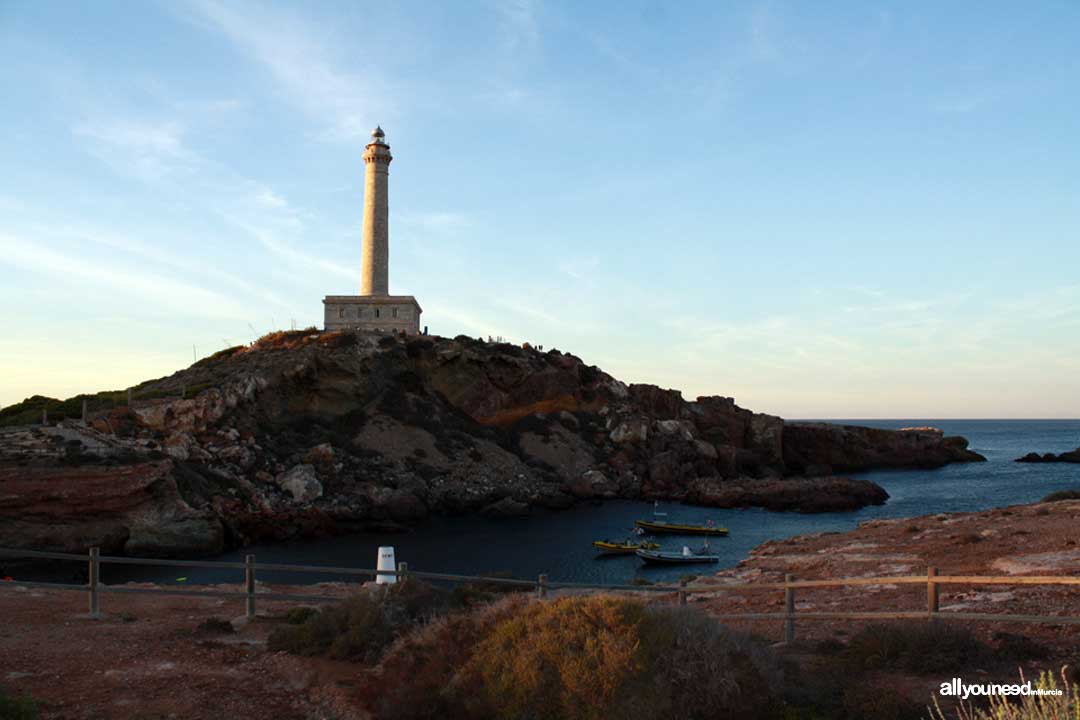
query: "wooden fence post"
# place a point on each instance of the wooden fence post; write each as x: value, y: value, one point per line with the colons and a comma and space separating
x: 682, y: 592
x: 93, y: 578
x: 249, y: 586
x: 84, y: 411
x: 541, y: 586
x: 402, y: 571
x: 931, y: 593
x: 789, y: 609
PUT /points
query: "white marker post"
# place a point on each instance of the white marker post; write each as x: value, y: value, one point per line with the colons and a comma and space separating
x: 386, y: 562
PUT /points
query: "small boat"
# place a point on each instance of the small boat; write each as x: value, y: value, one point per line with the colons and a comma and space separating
x: 686, y: 557
x: 623, y: 547
x: 663, y: 526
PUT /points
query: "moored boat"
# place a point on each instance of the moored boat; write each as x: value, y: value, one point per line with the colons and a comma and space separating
x: 623, y: 547
x: 663, y: 526
x: 686, y: 557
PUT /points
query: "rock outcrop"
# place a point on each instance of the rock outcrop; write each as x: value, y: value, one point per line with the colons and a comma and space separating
x: 819, y: 448
x: 310, y: 432
x: 1072, y: 456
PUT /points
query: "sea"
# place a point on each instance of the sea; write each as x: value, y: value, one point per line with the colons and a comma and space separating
x: 558, y: 543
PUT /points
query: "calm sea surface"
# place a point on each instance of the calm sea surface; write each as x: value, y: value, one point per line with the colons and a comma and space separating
x: 558, y: 543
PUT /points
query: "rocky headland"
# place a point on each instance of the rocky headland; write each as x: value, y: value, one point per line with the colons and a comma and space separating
x: 305, y: 433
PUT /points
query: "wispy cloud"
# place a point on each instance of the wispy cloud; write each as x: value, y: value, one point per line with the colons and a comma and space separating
x: 162, y: 290
x: 281, y: 247
x: 149, y: 149
x: 296, y: 55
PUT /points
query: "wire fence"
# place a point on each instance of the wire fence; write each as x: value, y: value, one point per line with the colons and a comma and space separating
x: 542, y: 586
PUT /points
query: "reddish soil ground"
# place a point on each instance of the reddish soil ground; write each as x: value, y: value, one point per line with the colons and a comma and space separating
x: 147, y: 658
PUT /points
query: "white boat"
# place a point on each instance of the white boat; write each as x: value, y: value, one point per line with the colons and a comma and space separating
x: 686, y: 557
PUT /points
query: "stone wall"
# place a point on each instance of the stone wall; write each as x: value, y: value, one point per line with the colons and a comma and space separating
x: 386, y: 313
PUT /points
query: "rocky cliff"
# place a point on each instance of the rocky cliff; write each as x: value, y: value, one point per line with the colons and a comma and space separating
x: 309, y: 432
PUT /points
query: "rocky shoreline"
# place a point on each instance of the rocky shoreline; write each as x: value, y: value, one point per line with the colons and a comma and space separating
x: 310, y: 433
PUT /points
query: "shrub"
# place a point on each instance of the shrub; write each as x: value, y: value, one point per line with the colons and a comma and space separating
x: 300, y: 615
x: 919, y: 647
x: 364, y: 625
x: 571, y: 658
x: 575, y: 658
x: 604, y: 657
x: 417, y: 678
x: 1062, y: 495
x: 705, y: 670
x: 1018, y: 648
x: 17, y: 707
x: 215, y: 626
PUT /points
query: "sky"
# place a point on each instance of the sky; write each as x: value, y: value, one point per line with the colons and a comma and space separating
x: 824, y: 210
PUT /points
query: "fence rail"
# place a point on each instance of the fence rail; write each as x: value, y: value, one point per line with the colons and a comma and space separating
x: 94, y: 587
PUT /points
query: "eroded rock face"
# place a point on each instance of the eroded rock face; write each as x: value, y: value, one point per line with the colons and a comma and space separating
x: 134, y: 509
x: 307, y: 433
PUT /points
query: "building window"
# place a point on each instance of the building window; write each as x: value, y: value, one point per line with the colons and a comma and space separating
x: 376, y: 312
x: 341, y: 312
x: 395, y: 312
x: 359, y: 313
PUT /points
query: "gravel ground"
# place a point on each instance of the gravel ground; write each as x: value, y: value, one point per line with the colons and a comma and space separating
x: 147, y: 658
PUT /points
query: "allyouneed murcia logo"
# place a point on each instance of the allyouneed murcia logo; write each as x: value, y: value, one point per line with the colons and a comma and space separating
x: 957, y: 688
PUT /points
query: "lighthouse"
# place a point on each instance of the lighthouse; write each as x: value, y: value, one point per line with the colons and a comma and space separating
x: 374, y: 308
x: 375, y: 261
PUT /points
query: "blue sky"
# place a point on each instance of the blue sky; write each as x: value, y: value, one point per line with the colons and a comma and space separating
x: 822, y: 209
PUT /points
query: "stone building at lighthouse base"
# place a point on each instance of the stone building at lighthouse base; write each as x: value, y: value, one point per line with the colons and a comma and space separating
x: 381, y: 313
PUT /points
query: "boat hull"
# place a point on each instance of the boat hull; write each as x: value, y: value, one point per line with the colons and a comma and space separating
x: 653, y: 557
x: 680, y: 529
x: 622, y: 549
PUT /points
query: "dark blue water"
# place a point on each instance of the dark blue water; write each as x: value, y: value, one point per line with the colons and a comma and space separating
x: 558, y: 543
